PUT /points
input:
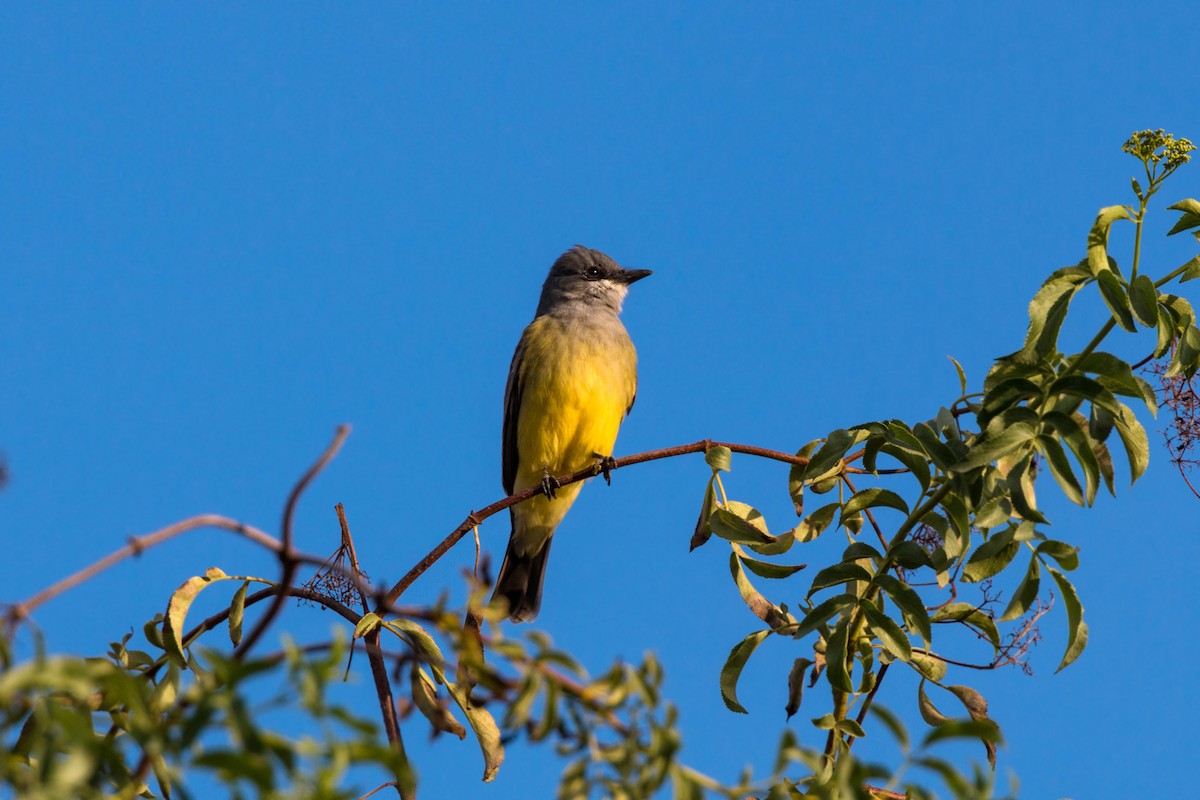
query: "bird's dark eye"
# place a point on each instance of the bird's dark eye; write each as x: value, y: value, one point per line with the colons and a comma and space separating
x: 593, y: 273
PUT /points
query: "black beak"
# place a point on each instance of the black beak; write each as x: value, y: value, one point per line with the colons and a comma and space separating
x: 628, y: 276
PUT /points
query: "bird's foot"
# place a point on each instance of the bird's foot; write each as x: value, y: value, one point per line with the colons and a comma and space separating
x: 605, y: 466
x: 550, y: 484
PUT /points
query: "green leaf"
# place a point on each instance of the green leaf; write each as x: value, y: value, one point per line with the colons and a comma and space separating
x: 741, y: 524
x: 909, y: 555
x: 825, y: 722
x: 732, y: 671
x: 1097, y: 250
x: 1115, y: 298
x: 1143, y: 297
x: 796, y: 685
x: 857, y: 550
x: 1060, y: 468
x: 837, y: 574
x: 1006, y: 394
x: 928, y: 666
x: 1181, y: 310
x: 1104, y: 462
x: 237, y: 611
x: 992, y: 447
x: 941, y: 455
x: 1077, y: 630
x: 821, y: 613
x: 972, y: 616
x: 871, y: 451
x: 1072, y: 430
x: 1166, y: 331
x: 962, y: 375
x: 1066, y: 555
x: 1019, y: 480
x: 719, y: 457
x: 972, y: 701
x: 1088, y: 389
x: 181, y: 601
x: 1117, y: 376
x: 765, y: 569
x: 837, y: 664
x: 421, y: 641
x: 825, y: 485
x: 957, y: 514
x: 929, y: 712
x: 916, y: 463
x: 887, y: 631
x: 1100, y: 423
x: 873, y: 498
x: 849, y: 726
x: 816, y: 522
x: 760, y: 606
x: 796, y: 477
x: 909, y: 603
x: 1133, y: 435
x: 153, y: 632
x: 703, y: 532
x: 1026, y: 593
x: 1191, y: 270
x: 367, y: 623
x: 1187, y: 353
x: 993, y: 513
x: 983, y: 729
x: 947, y: 425
x: 1047, y: 311
x: 1190, y: 218
x: 424, y: 695
x: 837, y: 443
x: 486, y: 731
x: 991, y: 557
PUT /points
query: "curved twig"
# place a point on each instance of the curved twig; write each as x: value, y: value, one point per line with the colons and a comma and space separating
x: 138, y: 544
x: 288, y: 562
x: 476, y: 517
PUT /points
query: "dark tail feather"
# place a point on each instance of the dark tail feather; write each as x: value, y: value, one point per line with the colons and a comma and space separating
x: 520, y: 582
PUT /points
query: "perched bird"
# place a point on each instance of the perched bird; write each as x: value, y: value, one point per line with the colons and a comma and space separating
x: 573, y: 379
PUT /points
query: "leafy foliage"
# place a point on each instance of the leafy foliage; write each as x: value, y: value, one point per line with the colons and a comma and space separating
x: 931, y: 511
x: 965, y: 489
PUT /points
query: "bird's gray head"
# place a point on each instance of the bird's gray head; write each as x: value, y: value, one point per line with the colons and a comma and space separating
x: 586, y: 279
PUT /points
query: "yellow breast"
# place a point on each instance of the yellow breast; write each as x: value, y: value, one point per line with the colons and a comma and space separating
x: 577, y: 382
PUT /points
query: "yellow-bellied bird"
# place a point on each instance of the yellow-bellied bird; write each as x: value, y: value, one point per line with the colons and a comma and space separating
x: 573, y: 379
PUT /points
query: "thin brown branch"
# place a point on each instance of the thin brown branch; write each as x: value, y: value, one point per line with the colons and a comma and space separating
x: 870, y: 516
x: 287, y: 560
x: 293, y: 558
x: 349, y: 614
x: 348, y: 543
x: 383, y: 689
x: 476, y: 517
x: 380, y: 788
x: 137, y: 545
x: 866, y: 706
x: 1183, y: 474
x: 1011, y: 652
x: 931, y: 654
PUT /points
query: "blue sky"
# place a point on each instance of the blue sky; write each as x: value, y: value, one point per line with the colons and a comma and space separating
x: 226, y: 229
